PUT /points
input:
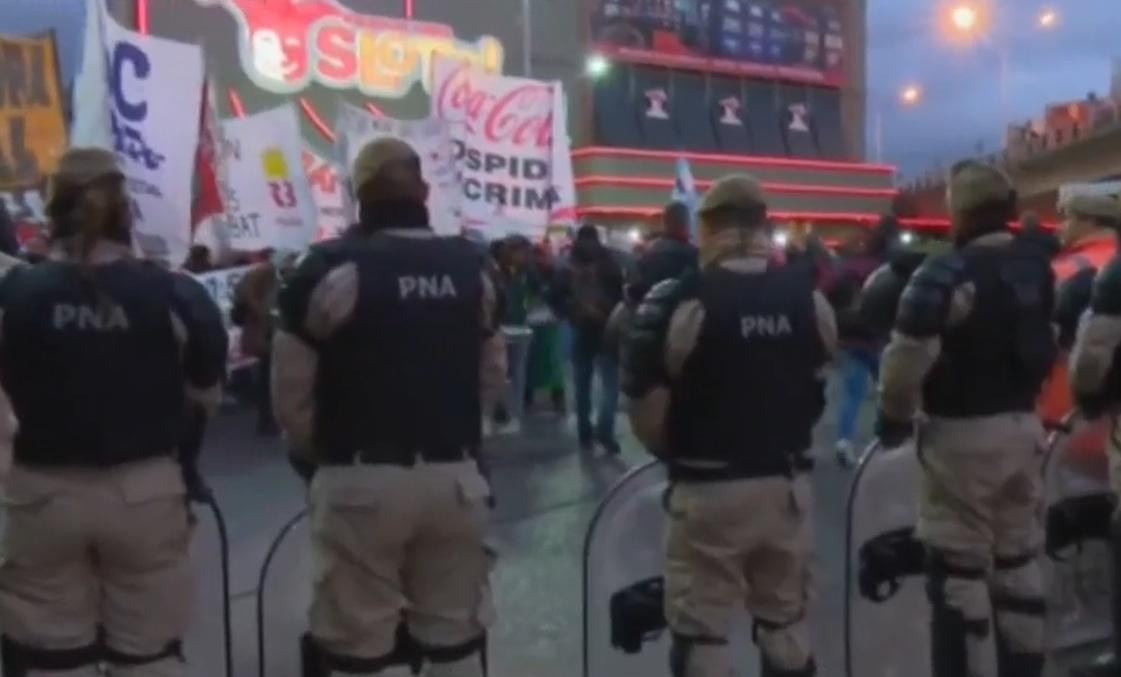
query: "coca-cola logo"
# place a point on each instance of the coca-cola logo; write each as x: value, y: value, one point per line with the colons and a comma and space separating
x: 521, y: 115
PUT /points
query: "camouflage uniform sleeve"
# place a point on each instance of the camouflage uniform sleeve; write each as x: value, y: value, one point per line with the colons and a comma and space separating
x: 204, y: 340
x: 1099, y: 335
x: 933, y: 300
x: 316, y: 299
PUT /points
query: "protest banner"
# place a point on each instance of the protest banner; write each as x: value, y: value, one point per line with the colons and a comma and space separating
x: 511, y: 156
x: 221, y: 284
x: 430, y: 138
x: 155, y: 95
x: 329, y: 193
x: 32, y: 124
x: 265, y: 192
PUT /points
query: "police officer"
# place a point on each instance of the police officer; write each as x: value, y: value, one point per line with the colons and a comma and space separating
x: 385, y: 352
x: 101, y: 356
x: 724, y: 370
x: 1097, y: 388
x: 973, y: 341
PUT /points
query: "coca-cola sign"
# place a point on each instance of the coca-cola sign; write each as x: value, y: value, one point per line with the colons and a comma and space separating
x: 521, y: 115
x: 285, y: 45
x: 510, y: 145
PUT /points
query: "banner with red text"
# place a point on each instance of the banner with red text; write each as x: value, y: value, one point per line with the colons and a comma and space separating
x: 513, y: 161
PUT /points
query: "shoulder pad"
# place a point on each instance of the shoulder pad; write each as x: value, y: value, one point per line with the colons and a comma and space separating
x: 878, y: 302
x: 905, y: 262
x: 925, y: 303
x: 1106, y: 297
x: 1071, y: 300
x: 643, y: 349
x: 310, y: 269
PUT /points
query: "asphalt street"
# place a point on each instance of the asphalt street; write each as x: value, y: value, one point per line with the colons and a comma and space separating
x: 546, y: 491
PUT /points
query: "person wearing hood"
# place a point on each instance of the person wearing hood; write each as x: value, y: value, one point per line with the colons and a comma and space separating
x: 587, y: 292
x: 386, y: 354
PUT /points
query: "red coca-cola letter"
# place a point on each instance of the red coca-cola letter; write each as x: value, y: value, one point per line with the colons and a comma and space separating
x: 523, y: 116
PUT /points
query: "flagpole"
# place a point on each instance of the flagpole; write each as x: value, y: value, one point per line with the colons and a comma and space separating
x: 527, y: 39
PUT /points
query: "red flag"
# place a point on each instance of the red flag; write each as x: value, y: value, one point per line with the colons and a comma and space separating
x: 208, y: 195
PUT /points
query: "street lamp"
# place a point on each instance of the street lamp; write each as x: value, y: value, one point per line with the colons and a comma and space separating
x: 1048, y: 19
x: 910, y: 95
x: 964, y: 18
x: 597, y: 66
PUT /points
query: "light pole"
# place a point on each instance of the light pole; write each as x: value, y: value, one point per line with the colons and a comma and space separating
x: 909, y: 96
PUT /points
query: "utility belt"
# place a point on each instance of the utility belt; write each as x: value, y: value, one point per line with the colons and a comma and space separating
x: 681, y: 470
x: 397, y: 455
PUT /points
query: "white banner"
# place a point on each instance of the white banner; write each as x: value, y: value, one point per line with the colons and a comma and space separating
x: 329, y: 192
x: 155, y: 101
x: 265, y: 191
x: 221, y: 285
x: 510, y: 145
x: 357, y: 127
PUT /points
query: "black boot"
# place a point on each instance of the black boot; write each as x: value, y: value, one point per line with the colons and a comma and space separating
x: 1107, y: 665
x: 769, y: 670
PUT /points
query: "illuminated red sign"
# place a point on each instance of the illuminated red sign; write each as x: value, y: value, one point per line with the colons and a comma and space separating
x: 285, y: 45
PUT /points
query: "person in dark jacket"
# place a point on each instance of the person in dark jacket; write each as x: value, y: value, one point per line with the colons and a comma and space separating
x: 669, y: 255
x: 587, y: 291
x: 860, y: 344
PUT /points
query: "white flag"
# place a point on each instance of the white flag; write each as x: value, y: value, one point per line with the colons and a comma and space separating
x: 90, y: 126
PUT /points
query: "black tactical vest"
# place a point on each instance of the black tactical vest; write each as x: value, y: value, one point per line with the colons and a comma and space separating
x: 749, y: 395
x: 401, y: 378
x: 995, y: 362
x: 91, y: 363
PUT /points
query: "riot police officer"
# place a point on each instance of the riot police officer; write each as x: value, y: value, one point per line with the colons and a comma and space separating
x: 723, y: 368
x: 1095, y: 384
x: 973, y: 341
x: 101, y: 356
x: 385, y: 347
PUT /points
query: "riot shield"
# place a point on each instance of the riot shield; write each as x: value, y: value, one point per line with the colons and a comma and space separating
x: 283, y: 599
x: 624, y: 627
x: 887, y: 616
x: 1079, y: 506
x: 207, y: 646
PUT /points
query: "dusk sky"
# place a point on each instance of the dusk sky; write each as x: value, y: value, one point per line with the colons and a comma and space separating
x: 962, y: 102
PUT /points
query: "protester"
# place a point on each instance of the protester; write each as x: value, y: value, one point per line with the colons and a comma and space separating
x: 199, y: 260
x: 386, y: 356
x: 546, y: 352
x: 513, y: 256
x: 104, y: 358
x: 860, y: 344
x: 667, y: 256
x: 588, y: 289
x: 254, y: 298
x: 805, y: 248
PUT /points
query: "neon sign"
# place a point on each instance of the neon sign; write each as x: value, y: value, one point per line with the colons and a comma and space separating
x: 285, y: 45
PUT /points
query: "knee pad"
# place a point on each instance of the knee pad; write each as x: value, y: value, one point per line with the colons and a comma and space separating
x: 699, y: 656
x: 784, y: 648
x: 173, y: 650
x: 315, y: 661
x: 950, y: 629
x: 1020, y: 611
x: 467, y: 659
x: 637, y: 614
x: 17, y: 660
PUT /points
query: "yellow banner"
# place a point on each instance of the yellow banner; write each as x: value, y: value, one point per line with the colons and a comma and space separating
x: 32, y: 125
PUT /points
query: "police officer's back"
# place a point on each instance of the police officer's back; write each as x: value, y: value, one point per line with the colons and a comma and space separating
x: 723, y: 371
x: 385, y: 343
x: 973, y: 342
x: 101, y: 356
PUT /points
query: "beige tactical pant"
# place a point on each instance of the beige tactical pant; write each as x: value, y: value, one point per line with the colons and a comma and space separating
x: 736, y: 544
x: 394, y: 543
x: 981, y: 509
x: 90, y: 549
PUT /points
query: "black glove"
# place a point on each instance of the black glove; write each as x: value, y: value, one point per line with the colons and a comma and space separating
x: 892, y: 433
x: 303, y: 467
x: 190, y: 446
x: 197, y: 489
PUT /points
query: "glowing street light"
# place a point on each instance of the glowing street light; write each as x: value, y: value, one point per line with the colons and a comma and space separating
x: 597, y: 65
x: 964, y: 18
x: 1048, y: 19
x: 910, y: 95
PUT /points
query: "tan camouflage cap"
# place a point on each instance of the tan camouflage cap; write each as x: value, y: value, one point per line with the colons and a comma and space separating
x: 974, y: 183
x: 735, y: 191
x: 374, y: 156
x: 1101, y: 207
x: 83, y: 165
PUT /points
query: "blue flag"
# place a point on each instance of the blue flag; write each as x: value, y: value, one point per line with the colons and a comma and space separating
x: 685, y: 192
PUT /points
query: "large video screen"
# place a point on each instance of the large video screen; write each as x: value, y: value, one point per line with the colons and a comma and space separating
x: 798, y: 40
